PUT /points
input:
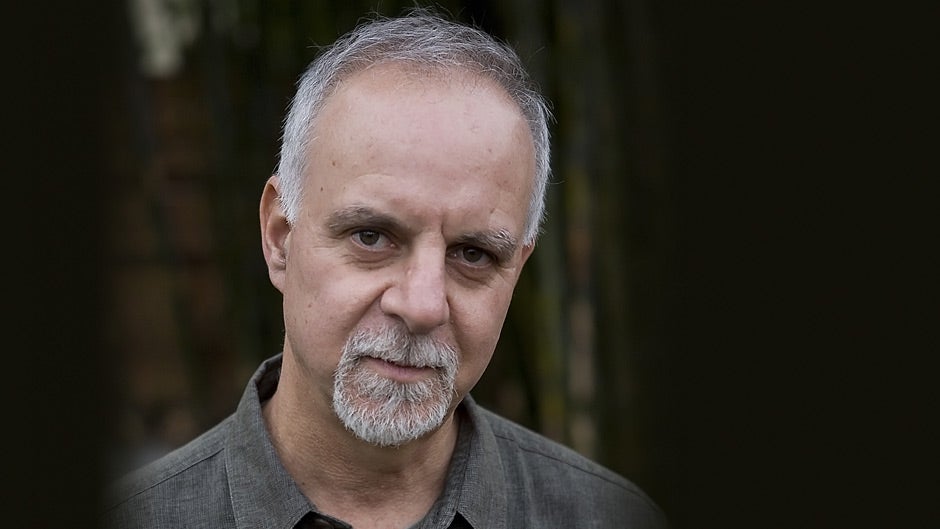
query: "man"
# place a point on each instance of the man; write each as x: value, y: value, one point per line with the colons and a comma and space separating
x: 408, y: 198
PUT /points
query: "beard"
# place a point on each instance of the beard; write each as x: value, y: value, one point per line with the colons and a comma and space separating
x: 386, y: 412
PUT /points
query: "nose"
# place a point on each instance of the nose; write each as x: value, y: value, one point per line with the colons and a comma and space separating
x: 418, y: 296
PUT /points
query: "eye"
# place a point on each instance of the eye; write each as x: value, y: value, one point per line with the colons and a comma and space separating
x: 371, y: 239
x: 473, y: 256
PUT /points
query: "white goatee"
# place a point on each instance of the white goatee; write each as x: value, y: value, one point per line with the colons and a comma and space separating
x: 386, y: 412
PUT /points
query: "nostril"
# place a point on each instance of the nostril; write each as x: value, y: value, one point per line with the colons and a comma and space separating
x: 421, y: 311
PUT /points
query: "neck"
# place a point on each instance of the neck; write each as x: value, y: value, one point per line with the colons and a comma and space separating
x: 348, y: 478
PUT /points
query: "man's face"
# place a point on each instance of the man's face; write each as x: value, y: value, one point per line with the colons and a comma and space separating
x: 412, y: 221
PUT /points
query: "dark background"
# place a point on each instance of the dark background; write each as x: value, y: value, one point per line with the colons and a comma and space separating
x: 787, y: 380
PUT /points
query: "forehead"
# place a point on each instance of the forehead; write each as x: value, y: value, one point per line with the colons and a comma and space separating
x: 384, y: 90
x: 454, y: 133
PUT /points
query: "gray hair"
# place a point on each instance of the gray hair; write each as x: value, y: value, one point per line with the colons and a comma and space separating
x: 422, y: 40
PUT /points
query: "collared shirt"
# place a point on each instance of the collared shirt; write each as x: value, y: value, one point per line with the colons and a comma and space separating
x: 501, y: 476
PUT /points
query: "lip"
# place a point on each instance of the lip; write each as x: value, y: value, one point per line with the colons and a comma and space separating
x: 397, y: 372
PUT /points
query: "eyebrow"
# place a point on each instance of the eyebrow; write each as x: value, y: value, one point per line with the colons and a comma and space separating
x: 351, y: 217
x: 498, y: 242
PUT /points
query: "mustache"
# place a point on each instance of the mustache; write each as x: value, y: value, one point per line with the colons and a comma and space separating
x: 398, y: 346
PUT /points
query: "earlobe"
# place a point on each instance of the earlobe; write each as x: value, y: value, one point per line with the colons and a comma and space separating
x: 275, y: 232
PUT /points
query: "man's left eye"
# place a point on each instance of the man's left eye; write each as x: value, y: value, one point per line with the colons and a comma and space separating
x: 368, y: 238
x: 473, y: 255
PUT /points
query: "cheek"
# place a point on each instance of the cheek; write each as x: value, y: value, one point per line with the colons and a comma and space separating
x: 478, y: 332
x: 323, y: 304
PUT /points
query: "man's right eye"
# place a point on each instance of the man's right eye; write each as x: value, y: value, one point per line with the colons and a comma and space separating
x: 368, y: 237
x: 371, y: 239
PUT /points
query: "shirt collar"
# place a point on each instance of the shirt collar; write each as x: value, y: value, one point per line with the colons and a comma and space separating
x: 264, y: 495
x: 262, y: 492
x: 483, y: 492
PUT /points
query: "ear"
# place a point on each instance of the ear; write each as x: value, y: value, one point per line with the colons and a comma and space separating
x: 275, y: 233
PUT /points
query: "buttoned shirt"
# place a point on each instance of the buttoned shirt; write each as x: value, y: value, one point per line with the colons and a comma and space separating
x: 501, y: 476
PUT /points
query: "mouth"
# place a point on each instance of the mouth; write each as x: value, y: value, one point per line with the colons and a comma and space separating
x: 398, y: 372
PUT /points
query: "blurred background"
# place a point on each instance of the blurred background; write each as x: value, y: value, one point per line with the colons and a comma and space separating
x: 727, y: 306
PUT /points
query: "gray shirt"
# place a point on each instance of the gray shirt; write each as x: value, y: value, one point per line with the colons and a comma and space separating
x: 501, y: 476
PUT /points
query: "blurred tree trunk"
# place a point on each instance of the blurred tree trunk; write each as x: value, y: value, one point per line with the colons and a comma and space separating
x: 633, y: 213
x: 581, y: 87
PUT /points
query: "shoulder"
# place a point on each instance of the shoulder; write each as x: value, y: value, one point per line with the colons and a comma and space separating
x: 564, y: 481
x: 187, y: 484
x: 553, y: 456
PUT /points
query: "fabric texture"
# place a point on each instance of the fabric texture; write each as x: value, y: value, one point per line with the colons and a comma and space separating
x: 501, y: 476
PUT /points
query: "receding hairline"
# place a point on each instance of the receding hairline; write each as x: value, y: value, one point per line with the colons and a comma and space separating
x: 382, y: 80
x: 404, y: 79
x: 424, y: 43
x: 410, y: 74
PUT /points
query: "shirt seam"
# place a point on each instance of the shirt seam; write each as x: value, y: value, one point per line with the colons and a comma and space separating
x: 168, y: 477
x: 571, y: 465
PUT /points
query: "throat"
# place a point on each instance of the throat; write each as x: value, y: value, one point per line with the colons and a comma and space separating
x: 373, y: 486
